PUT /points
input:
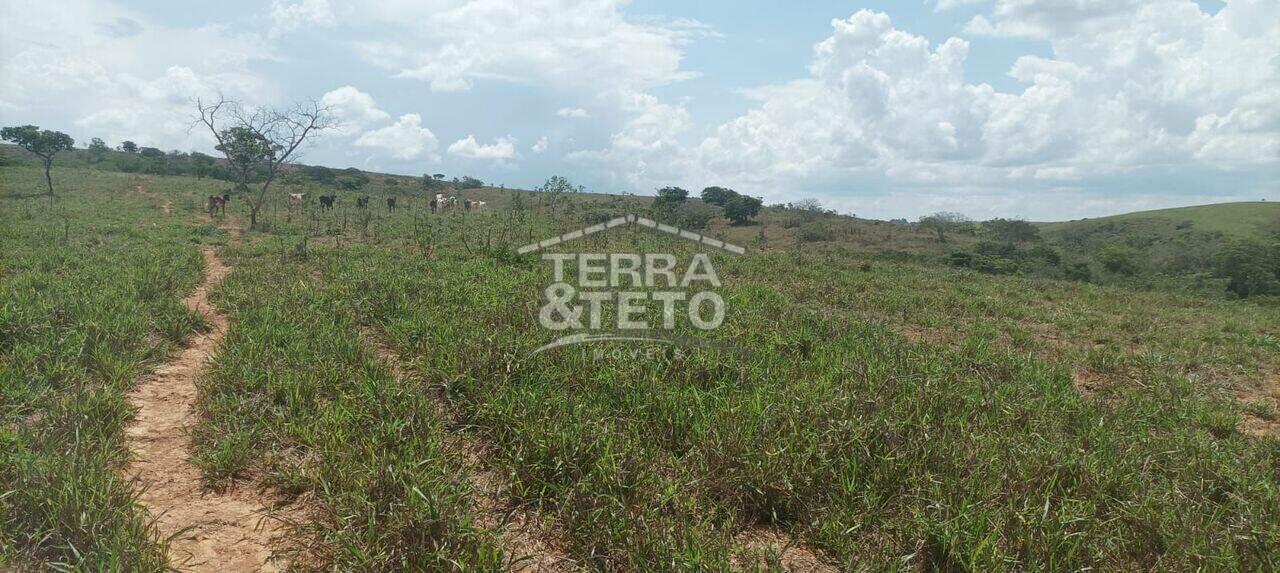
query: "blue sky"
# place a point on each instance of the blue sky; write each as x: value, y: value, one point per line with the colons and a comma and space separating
x: 1044, y: 109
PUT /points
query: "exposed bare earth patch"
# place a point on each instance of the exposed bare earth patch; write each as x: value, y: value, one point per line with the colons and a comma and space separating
x: 228, y: 532
x: 532, y: 542
x: 761, y: 548
x: 1088, y: 382
x: 1261, y: 416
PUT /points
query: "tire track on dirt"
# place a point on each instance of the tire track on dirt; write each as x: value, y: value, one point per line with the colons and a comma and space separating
x: 229, y: 532
x: 531, y: 542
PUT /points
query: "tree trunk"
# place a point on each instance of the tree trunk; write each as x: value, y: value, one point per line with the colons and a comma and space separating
x: 48, y: 179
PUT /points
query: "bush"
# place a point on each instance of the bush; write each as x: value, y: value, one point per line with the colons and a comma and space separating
x: 989, y: 264
x: 1045, y: 253
x: 694, y: 217
x: 1119, y: 260
x: 1251, y: 268
x: 813, y: 232
x: 1078, y: 272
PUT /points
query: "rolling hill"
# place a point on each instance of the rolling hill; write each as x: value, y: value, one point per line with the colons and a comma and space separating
x: 1246, y: 219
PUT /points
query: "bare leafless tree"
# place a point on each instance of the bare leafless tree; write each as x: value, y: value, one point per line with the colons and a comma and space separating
x: 260, y: 140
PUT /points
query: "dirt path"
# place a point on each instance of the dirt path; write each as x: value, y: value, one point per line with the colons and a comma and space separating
x: 532, y: 543
x: 166, y: 204
x: 210, y: 532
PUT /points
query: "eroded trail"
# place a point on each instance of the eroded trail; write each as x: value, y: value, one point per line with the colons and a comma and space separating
x: 210, y: 531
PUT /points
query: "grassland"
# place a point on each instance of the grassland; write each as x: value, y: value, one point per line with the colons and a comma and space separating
x: 90, y: 297
x: 1246, y: 219
x: 887, y: 415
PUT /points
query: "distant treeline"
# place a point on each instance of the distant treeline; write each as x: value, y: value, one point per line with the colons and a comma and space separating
x: 129, y: 157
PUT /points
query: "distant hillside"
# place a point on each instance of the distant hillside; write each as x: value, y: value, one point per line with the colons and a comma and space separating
x: 1248, y: 219
x: 1184, y: 245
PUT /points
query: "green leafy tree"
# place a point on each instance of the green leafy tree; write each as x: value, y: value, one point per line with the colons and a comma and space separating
x: 1078, y: 271
x: 128, y: 146
x: 558, y: 184
x: 1252, y: 268
x: 44, y: 144
x: 717, y: 195
x: 432, y: 183
x: 97, y: 149
x: 352, y: 179
x: 741, y: 209
x: 1119, y: 259
x: 665, y: 206
x: 672, y: 195
x: 201, y: 164
x: 1011, y: 230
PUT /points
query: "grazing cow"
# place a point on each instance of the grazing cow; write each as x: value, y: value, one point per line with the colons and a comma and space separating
x: 362, y: 202
x: 327, y: 201
x: 216, y: 204
x: 297, y: 199
x: 434, y: 205
x: 391, y: 204
x: 466, y: 205
x: 477, y: 205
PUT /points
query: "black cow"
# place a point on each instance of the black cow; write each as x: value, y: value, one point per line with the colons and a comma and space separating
x: 362, y: 202
x: 327, y: 201
x: 391, y: 204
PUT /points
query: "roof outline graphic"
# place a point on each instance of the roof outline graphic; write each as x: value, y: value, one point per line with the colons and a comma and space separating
x: 627, y: 219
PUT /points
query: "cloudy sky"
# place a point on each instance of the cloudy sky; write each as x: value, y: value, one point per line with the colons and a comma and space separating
x: 1044, y: 109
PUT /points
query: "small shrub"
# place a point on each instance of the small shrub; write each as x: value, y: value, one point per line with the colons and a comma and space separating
x: 813, y: 232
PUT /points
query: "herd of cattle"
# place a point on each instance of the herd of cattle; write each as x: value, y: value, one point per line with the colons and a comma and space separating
x: 218, y: 203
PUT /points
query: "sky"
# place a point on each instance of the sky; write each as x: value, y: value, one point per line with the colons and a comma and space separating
x: 1037, y: 109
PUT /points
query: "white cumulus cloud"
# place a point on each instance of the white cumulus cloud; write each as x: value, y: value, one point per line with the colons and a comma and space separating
x: 354, y: 109
x: 404, y: 139
x: 1130, y: 86
x: 566, y: 44
x: 573, y: 112
x: 117, y: 74
x: 469, y: 148
x: 541, y: 145
x: 287, y: 16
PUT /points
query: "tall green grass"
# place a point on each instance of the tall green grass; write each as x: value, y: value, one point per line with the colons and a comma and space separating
x: 90, y: 297
x: 875, y: 448
x: 297, y: 397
